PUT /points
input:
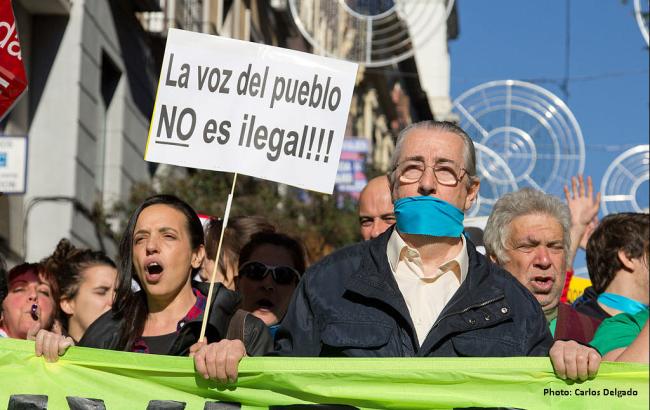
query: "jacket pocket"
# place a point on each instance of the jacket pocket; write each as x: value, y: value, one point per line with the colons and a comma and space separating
x: 356, y: 335
x: 481, y: 345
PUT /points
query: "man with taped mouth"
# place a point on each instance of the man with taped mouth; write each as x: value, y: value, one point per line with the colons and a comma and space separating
x: 420, y: 289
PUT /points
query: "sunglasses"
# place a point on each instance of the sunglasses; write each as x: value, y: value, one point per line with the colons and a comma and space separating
x: 257, y: 271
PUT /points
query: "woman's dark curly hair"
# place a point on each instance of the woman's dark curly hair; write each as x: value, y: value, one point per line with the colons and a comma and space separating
x: 67, y: 265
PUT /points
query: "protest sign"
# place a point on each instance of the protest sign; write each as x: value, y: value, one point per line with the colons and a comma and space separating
x: 93, y: 378
x: 235, y: 106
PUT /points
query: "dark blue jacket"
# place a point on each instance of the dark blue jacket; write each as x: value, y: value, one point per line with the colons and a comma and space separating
x: 349, y: 304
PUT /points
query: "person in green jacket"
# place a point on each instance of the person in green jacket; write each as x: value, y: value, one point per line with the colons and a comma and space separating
x: 624, y: 338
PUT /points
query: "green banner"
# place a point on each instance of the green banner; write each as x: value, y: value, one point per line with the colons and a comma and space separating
x: 89, y: 378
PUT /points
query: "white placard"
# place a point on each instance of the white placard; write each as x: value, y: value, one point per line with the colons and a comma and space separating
x: 234, y: 106
x: 13, y: 164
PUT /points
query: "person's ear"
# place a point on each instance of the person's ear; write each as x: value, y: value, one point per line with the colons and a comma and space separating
x: 493, y: 259
x: 625, y: 260
x: 472, y: 192
x: 197, y: 257
x: 67, y: 306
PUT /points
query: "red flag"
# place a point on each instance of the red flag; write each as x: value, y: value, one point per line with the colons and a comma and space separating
x: 13, y: 81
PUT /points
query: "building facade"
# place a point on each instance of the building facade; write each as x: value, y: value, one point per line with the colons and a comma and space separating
x: 92, y: 68
x: 86, y: 117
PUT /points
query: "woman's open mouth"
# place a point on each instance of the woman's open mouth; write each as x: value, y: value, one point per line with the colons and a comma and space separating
x: 265, y: 304
x: 153, y: 272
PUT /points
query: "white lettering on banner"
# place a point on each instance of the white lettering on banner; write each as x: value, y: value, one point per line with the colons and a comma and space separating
x: 13, y: 46
x: 234, y: 106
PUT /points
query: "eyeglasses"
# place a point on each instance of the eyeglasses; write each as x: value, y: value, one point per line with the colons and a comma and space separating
x: 411, y: 171
x: 257, y: 271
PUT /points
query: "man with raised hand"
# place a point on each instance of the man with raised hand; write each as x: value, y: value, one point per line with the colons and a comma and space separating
x: 375, y: 208
x: 419, y: 289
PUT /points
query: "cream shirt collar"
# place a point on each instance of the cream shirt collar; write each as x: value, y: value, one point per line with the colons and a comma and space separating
x: 397, y: 250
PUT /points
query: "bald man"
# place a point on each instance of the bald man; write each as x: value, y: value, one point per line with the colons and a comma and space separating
x: 375, y: 208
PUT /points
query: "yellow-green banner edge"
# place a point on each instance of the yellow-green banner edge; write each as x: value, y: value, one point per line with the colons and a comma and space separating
x: 131, y: 380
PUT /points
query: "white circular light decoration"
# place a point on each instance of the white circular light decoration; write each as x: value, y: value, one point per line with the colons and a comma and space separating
x: 496, y: 180
x: 624, y: 187
x: 370, y: 32
x: 530, y: 128
x: 641, y: 21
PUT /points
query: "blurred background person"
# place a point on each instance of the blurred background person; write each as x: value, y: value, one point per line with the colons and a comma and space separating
x: 238, y: 232
x: 28, y: 304
x: 375, y: 208
x: 85, y: 286
x: 617, y: 260
x: 3, y: 284
x: 270, y: 267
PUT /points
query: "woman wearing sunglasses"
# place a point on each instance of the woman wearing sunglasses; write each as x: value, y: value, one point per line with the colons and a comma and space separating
x: 270, y: 266
x: 239, y: 232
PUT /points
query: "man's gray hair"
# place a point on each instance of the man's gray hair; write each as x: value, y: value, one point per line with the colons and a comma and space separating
x: 526, y: 201
x: 469, y: 153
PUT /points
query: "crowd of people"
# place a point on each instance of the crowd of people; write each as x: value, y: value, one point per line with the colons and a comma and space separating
x: 416, y: 286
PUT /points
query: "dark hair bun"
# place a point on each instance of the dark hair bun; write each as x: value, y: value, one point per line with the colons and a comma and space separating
x: 62, y: 254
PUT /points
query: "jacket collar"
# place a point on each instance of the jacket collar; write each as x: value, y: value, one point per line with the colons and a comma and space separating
x: 222, y: 306
x: 374, y: 279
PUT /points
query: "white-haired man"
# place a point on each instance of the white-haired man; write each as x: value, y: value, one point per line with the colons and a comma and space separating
x: 528, y: 233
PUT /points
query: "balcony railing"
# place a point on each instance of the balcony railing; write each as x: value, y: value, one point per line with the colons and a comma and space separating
x: 183, y: 14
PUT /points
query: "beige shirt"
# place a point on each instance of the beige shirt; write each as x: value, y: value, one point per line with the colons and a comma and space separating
x: 425, y: 296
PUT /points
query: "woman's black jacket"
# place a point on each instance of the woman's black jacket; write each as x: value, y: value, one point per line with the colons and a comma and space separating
x: 103, y: 333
